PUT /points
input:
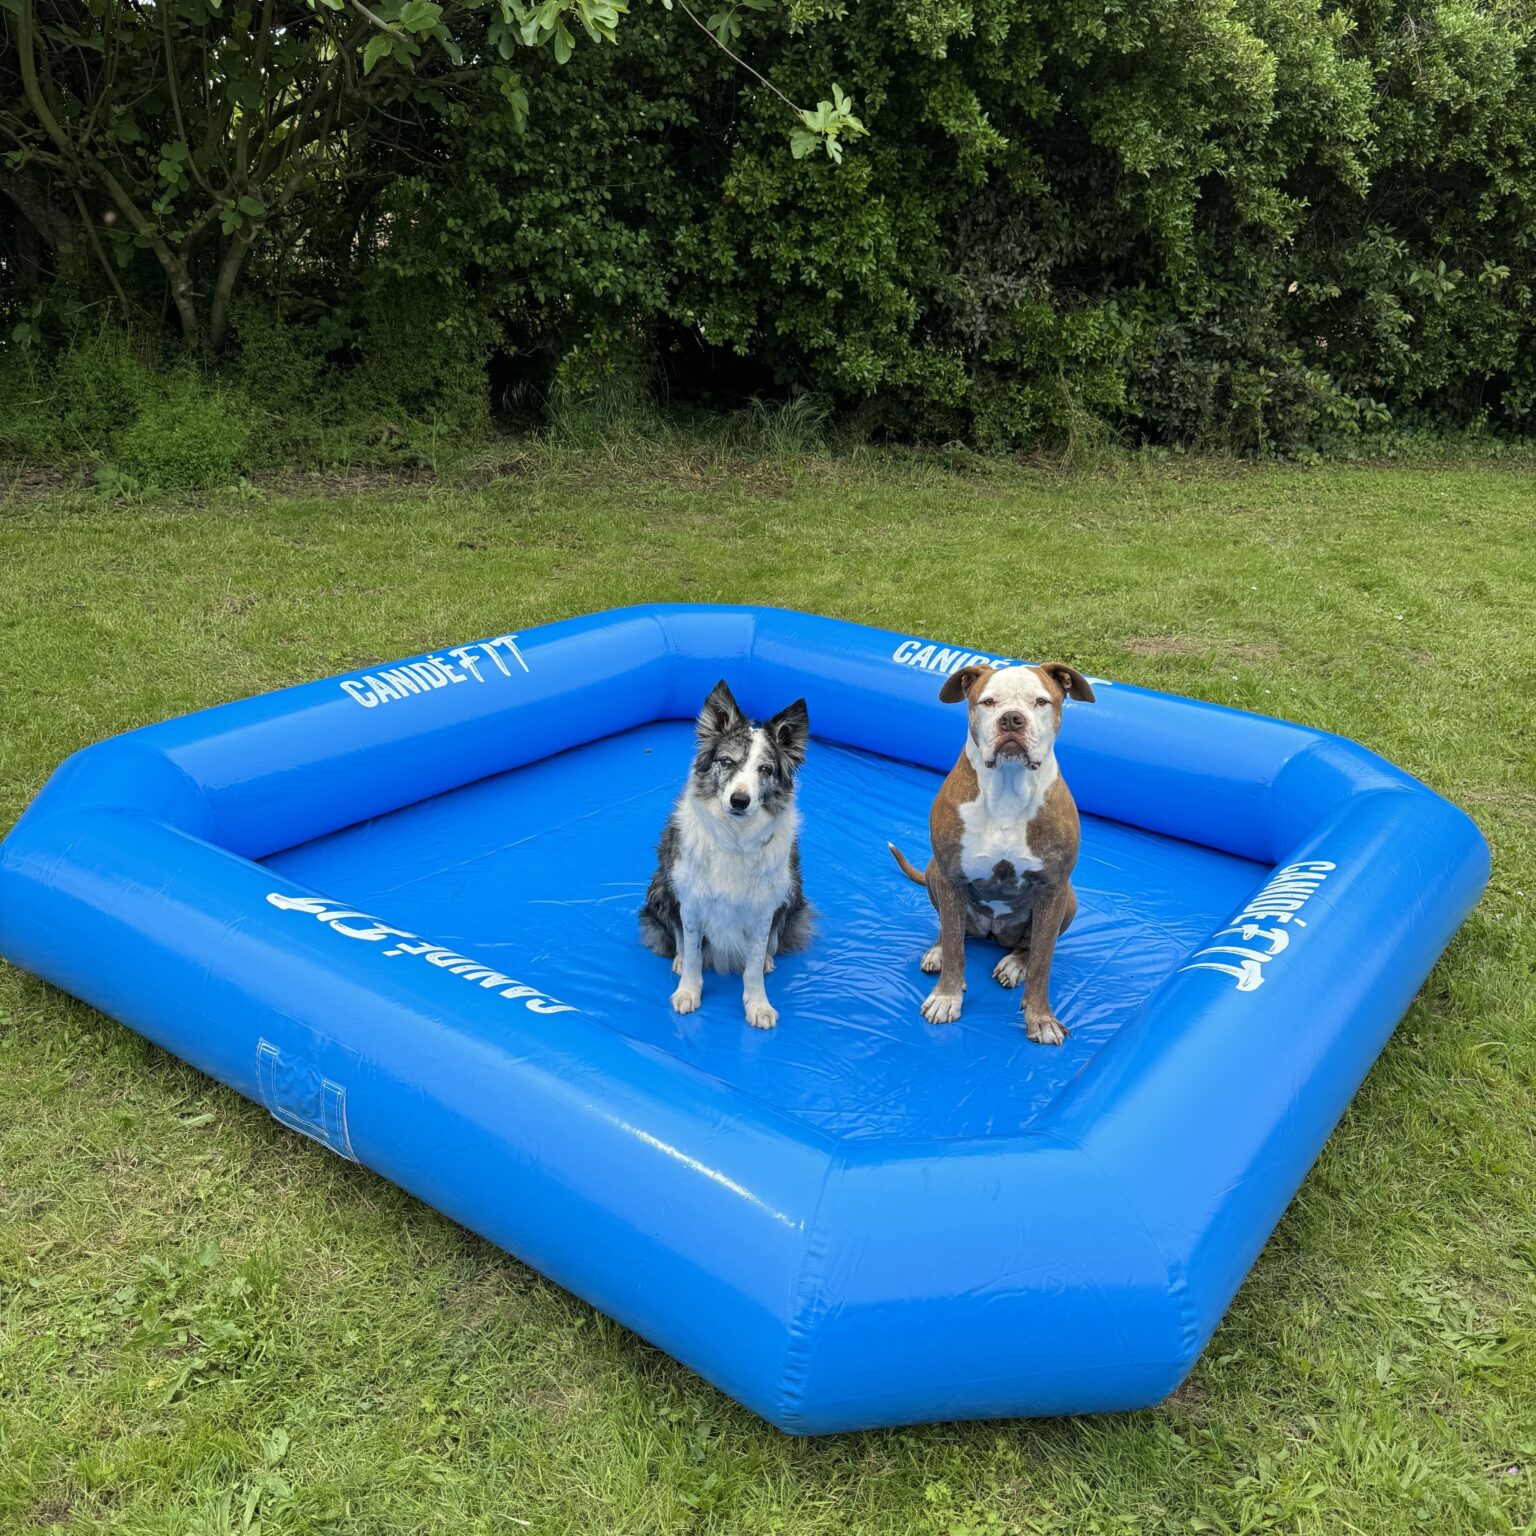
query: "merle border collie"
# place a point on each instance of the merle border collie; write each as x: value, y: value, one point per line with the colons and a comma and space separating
x: 726, y: 892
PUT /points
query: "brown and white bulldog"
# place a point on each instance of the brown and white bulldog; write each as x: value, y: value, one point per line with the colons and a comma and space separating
x: 1004, y: 831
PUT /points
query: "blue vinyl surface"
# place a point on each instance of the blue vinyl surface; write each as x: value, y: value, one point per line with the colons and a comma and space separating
x: 398, y: 908
x: 546, y: 868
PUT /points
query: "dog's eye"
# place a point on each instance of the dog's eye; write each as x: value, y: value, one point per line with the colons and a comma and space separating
x: 728, y: 763
x: 989, y: 703
x: 1041, y: 703
x: 765, y: 772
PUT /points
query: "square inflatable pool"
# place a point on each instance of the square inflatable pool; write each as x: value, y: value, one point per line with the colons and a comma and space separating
x: 399, y: 909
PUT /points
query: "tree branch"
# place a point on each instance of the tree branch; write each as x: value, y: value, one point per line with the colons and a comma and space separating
x: 29, y: 82
x: 80, y: 162
x: 101, y: 255
x: 756, y: 74
x: 170, y: 80
x: 375, y: 21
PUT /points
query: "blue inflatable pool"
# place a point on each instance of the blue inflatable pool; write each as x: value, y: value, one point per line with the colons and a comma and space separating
x: 398, y: 909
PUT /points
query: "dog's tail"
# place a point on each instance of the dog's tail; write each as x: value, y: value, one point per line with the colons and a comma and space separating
x: 906, y: 868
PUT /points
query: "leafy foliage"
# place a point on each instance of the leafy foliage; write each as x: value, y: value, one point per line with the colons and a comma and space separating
x: 186, y: 438
x: 1247, y: 224
x: 199, y: 127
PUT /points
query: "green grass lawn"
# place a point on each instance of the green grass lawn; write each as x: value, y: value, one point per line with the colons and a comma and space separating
x: 209, y: 1324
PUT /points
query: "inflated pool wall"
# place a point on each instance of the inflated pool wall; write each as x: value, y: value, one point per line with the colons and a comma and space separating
x: 1078, y: 1264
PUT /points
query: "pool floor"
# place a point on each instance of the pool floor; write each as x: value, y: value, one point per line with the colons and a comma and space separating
x: 539, y: 873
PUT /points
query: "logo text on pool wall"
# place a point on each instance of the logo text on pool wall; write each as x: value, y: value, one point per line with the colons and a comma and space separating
x: 353, y: 924
x: 1267, y: 920
x: 486, y: 661
x: 943, y: 660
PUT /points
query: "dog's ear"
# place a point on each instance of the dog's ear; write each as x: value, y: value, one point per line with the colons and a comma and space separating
x: 791, y: 731
x: 958, y: 684
x: 720, y: 713
x: 1069, y: 680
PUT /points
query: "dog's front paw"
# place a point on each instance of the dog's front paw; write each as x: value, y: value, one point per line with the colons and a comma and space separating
x: 942, y: 1007
x: 933, y: 960
x: 677, y: 965
x: 687, y: 997
x: 1045, y: 1028
x: 1010, y: 969
x: 762, y: 1015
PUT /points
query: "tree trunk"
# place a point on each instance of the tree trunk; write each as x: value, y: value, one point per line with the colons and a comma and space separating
x: 29, y: 254
x: 224, y: 285
x: 37, y: 212
x: 179, y: 282
x: 82, y: 167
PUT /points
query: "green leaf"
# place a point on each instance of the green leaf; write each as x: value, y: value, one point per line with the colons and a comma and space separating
x: 802, y: 142
x: 565, y: 44
x: 516, y: 98
x: 252, y: 207
x: 593, y: 21
x: 420, y: 15
x: 380, y: 44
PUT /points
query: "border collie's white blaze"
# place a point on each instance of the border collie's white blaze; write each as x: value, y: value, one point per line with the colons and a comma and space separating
x: 726, y: 892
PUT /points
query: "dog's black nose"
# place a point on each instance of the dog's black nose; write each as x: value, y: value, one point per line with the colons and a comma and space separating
x: 740, y: 800
x: 1013, y: 720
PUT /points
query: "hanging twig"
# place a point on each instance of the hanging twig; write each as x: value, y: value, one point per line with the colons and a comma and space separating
x: 101, y: 255
x: 756, y: 74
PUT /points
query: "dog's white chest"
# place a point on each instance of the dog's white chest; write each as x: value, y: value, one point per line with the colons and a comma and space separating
x: 995, y: 825
x: 985, y: 844
x: 736, y: 884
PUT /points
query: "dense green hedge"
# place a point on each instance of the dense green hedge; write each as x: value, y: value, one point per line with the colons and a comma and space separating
x: 1272, y: 225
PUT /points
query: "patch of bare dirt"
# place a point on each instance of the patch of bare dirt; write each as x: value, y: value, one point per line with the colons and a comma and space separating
x: 1155, y: 646
x: 1263, y: 650
x: 22, y: 484
x: 351, y: 481
x: 50, y: 1512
